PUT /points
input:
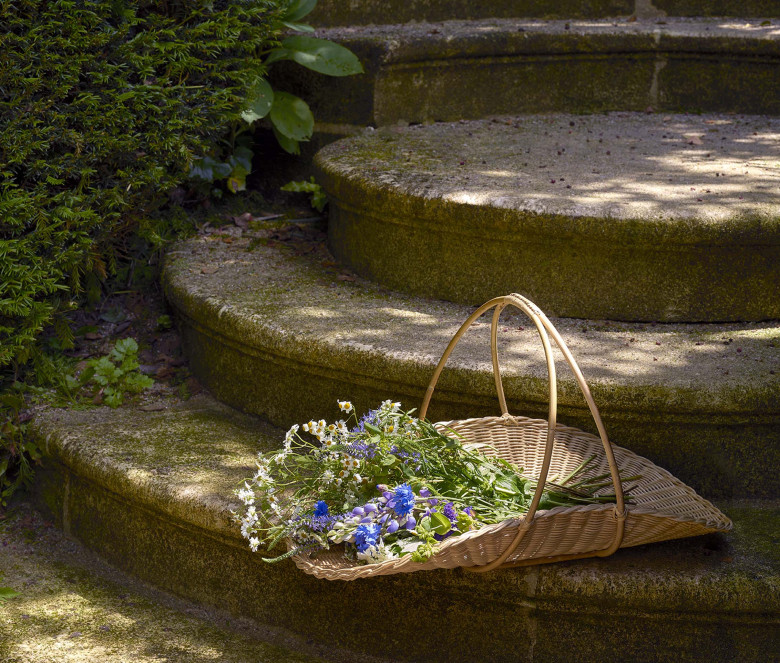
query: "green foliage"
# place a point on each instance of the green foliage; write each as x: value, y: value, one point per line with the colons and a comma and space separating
x: 104, y: 107
x: 17, y: 452
x: 7, y: 593
x: 290, y: 116
x: 318, y: 197
x: 114, y: 375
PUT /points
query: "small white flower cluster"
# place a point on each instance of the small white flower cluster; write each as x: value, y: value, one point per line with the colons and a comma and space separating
x: 376, y: 554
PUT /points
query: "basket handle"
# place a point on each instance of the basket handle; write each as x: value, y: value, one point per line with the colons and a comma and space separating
x: 543, y: 326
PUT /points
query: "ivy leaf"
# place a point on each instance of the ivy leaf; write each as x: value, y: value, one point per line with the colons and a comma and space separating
x: 298, y: 9
x: 261, y: 98
x: 292, y: 117
x: 320, y: 55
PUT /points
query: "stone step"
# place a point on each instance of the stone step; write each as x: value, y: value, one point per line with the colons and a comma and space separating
x: 367, y: 12
x: 74, y: 607
x: 426, y: 72
x: 625, y: 216
x: 277, y: 329
x: 152, y: 493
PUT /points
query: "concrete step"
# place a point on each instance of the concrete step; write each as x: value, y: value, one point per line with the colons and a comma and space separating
x: 277, y: 329
x: 625, y: 216
x: 366, y: 12
x: 152, y: 493
x: 426, y: 72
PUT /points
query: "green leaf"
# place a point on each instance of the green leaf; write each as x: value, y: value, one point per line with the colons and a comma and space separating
x: 298, y: 27
x: 7, y: 593
x: 124, y: 346
x: 261, y: 98
x: 321, y: 55
x: 440, y: 523
x: 298, y: 9
x: 292, y: 117
x: 242, y: 156
x: 288, y: 144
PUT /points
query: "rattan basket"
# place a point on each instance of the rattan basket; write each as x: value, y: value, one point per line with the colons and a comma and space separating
x: 661, y: 506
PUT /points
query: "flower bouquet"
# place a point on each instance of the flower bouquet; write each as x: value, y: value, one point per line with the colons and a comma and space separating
x: 389, y: 485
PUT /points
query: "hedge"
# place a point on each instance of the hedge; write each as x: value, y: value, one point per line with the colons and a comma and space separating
x: 104, y: 106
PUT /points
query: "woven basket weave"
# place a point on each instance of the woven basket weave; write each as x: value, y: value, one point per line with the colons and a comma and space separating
x: 661, y: 508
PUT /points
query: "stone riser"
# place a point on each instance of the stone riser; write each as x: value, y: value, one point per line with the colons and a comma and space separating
x: 583, y: 277
x: 413, y: 74
x: 363, y: 12
x: 150, y: 492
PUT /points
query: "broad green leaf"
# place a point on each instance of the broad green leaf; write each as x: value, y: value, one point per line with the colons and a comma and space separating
x: 242, y: 156
x: 298, y: 27
x: 289, y: 145
x: 321, y: 55
x: 259, y: 102
x: 298, y: 9
x: 440, y: 523
x: 276, y: 54
x: 292, y: 117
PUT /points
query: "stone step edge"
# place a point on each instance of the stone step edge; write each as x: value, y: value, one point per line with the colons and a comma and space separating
x: 419, y: 42
x: 172, y: 508
x: 336, y: 12
x: 229, y: 326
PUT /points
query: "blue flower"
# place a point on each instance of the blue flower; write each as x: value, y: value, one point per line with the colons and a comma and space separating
x: 367, y: 535
x: 403, y: 498
x: 321, y: 509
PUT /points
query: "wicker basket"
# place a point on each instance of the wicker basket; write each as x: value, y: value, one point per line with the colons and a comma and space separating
x: 661, y: 508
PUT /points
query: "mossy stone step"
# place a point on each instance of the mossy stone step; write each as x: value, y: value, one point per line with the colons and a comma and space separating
x: 338, y: 12
x: 152, y: 493
x: 73, y: 607
x: 280, y: 331
x: 625, y: 216
x: 426, y: 72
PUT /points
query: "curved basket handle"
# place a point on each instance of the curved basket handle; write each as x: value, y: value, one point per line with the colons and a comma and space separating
x: 543, y: 326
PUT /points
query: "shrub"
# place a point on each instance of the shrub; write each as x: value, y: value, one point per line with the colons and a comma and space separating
x: 104, y: 107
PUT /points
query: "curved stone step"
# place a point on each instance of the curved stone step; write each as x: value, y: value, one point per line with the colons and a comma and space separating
x: 279, y: 331
x: 151, y: 492
x: 624, y: 216
x: 367, y: 12
x: 426, y: 72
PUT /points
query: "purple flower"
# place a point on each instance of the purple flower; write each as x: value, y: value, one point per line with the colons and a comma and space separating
x: 450, y: 512
x: 366, y: 536
x: 403, y: 500
x: 424, y: 492
x: 320, y: 509
x: 392, y: 527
